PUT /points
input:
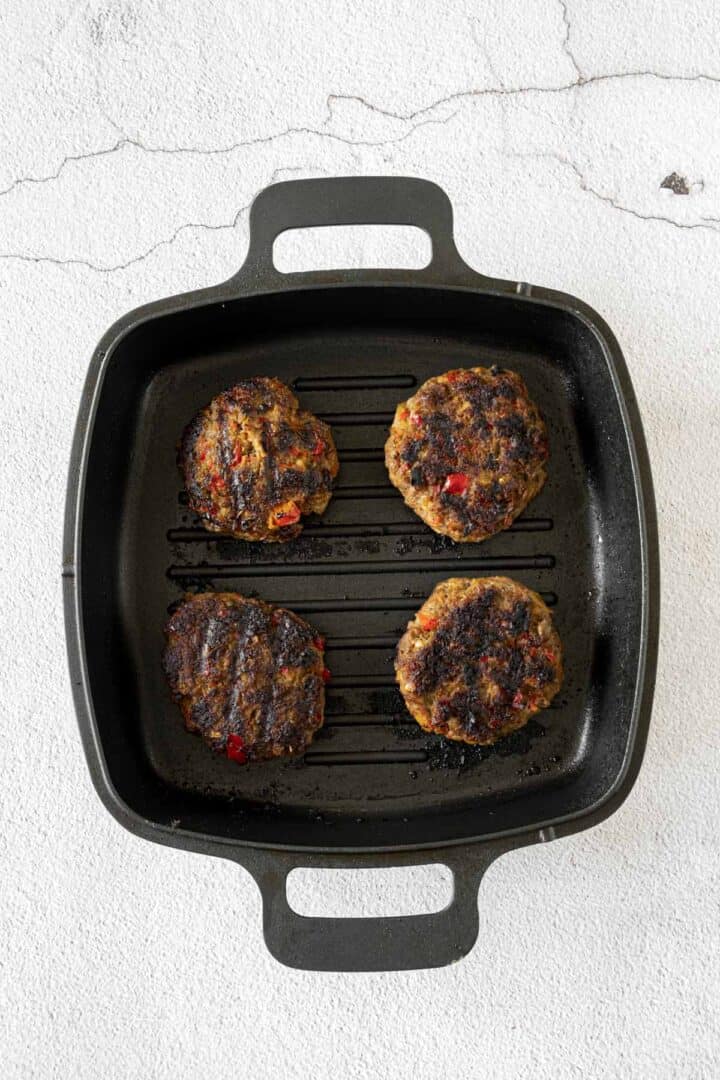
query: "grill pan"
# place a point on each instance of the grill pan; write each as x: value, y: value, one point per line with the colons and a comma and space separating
x: 373, y: 790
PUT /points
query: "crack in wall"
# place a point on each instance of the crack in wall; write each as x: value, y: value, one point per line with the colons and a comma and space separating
x: 565, y: 44
x: 261, y: 140
x: 23, y: 257
x: 166, y: 241
x: 580, y: 83
x: 518, y: 91
x: 70, y: 261
x: 419, y: 115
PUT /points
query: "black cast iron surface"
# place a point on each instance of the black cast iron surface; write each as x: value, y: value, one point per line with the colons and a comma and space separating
x: 373, y: 789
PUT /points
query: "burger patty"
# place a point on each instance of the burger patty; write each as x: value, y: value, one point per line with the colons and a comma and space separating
x: 468, y: 451
x: 479, y: 659
x: 249, y: 678
x: 254, y: 462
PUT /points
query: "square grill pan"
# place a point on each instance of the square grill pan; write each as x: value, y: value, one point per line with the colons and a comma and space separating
x: 373, y: 790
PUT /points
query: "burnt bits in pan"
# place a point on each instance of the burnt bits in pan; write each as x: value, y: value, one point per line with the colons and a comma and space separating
x: 255, y: 463
x: 468, y: 451
x: 249, y: 677
x: 479, y: 659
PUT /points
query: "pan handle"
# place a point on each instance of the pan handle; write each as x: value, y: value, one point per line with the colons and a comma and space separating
x: 353, y: 200
x: 394, y: 943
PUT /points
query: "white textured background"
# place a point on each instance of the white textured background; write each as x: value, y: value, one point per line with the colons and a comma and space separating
x: 134, y: 136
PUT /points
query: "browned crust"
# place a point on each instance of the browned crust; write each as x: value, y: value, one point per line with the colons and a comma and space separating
x: 243, y: 670
x: 252, y: 458
x: 479, y: 659
x: 478, y: 423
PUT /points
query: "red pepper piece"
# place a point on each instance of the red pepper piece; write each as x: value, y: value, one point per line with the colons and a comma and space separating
x: 289, y: 517
x: 326, y: 676
x: 427, y: 622
x: 403, y: 413
x: 518, y: 702
x: 217, y: 483
x: 284, y: 670
x: 235, y: 749
x: 416, y: 419
x: 319, y: 448
x: 452, y: 376
x: 237, y: 457
x: 202, y: 455
x: 550, y: 656
x: 456, y: 483
x: 319, y: 643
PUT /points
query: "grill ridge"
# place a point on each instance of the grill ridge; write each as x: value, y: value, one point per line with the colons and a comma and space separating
x: 235, y: 570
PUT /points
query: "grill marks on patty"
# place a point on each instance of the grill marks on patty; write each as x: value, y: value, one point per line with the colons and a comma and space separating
x: 244, y: 671
x: 468, y: 451
x: 479, y: 659
x: 254, y: 462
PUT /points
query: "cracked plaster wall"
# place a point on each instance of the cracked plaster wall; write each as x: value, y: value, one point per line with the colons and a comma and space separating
x: 135, y: 136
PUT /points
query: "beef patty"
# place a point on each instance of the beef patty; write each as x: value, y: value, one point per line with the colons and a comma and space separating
x: 468, y: 451
x: 254, y: 462
x: 249, y: 678
x: 479, y: 659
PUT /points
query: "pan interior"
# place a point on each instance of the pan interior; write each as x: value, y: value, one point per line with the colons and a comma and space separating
x: 372, y: 778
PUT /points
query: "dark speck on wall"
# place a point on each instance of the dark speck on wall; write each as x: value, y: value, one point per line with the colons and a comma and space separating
x: 676, y: 183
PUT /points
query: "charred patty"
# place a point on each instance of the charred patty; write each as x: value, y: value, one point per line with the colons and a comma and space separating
x: 254, y: 462
x: 468, y: 451
x: 479, y: 658
x: 248, y: 677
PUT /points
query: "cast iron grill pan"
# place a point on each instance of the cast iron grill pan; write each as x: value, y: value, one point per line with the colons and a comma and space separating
x: 373, y: 788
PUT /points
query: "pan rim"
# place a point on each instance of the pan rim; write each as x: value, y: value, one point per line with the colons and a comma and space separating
x: 226, y: 292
